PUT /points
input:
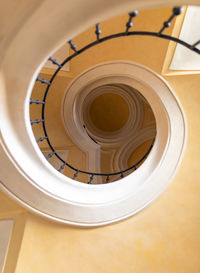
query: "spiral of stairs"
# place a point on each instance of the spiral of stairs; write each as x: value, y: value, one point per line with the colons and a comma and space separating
x: 107, y: 117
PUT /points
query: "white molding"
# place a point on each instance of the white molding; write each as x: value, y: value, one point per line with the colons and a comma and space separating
x: 121, y: 159
x: 28, y: 178
x: 6, y: 227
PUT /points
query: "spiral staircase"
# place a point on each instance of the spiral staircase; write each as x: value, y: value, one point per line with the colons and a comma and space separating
x: 85, y: 100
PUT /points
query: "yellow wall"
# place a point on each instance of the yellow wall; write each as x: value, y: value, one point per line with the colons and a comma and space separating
x: 162, y: 238
x: 10, y: 210
x: 105, y: 114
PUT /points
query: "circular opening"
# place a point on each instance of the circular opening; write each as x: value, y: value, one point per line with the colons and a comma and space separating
x: 109, y: 112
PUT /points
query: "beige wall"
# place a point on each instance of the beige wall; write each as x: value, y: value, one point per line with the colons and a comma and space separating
x: 162, y: 238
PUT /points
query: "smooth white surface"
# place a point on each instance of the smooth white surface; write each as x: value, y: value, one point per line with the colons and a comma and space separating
x: 5, y: 235
x: 185, y: 59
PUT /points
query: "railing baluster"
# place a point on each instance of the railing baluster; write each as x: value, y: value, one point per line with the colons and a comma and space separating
x: 37, y: 101
x: 41, y: 139
x: 75, y: 175
x: 97, y: 31
x: 91, y: 178
x: 73, y: 46
x: 107, y: 179
x: 54, y: 61
x: 62, y: 167
x: 36, y: 121
x: 43, y: 81
x: 49, y: 155
x: 175, y: 12
x: 129, y: 24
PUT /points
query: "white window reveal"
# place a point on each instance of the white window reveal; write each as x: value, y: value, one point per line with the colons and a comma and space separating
x: 185, y: 59
x: 5, y: 235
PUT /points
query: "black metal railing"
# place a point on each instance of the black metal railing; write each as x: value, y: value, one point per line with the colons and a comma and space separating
x: 97, y: 33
